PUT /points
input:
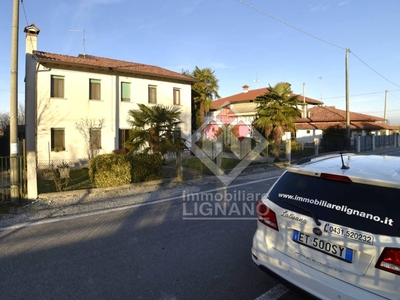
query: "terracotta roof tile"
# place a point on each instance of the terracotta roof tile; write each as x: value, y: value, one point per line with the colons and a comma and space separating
x: 323, y: 117
x: 111, y: 65
x: 250, y: 95
x: 328, y: 113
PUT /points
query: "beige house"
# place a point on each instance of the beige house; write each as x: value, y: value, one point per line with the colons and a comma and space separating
x: 314, y: 118
x: 65, y: 91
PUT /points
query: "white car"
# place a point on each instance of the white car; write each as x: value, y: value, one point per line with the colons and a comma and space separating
x: 331, y: 227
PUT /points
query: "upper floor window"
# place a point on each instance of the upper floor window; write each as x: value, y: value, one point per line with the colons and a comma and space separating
x: 57, y: 139
x: 152, y: 94
x: 57, y: 86
x: 94, y: 89
x: 177, y: 96
x: 125, y: 91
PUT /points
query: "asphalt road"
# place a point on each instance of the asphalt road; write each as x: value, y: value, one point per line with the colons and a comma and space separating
x: 177, y: 248
x: 166, y: 250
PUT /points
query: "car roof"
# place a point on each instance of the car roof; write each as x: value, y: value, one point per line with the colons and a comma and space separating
x: 379, y: 170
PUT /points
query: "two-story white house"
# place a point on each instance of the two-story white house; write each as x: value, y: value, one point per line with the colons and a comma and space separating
x: 64, y: 91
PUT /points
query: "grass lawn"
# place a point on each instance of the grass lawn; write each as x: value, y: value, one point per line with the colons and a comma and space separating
x: 78, y: 179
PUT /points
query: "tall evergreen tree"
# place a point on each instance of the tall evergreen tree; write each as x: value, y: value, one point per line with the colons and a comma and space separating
x: 204, y: 91
x: 275, y: 113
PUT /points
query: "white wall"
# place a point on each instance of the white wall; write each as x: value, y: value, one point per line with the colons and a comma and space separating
x: 64, y: 113
x: 307, y: 136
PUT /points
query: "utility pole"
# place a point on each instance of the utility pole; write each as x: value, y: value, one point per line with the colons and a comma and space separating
x: 14, y: 174
x: 347, y: 101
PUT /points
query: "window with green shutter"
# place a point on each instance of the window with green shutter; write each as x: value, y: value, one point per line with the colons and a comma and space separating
x: 125, y: 91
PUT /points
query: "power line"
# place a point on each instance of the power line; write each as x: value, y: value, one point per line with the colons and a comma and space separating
x: 23, y: 7
x: 315, y: 37
x: 364, y: 94
x: 374, y: 70
x: 26, y: 19
x: 287, y: 24
x: 393, y: 95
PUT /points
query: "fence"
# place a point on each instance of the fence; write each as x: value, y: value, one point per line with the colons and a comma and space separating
x: 8, y: 163
x: 372, y: 142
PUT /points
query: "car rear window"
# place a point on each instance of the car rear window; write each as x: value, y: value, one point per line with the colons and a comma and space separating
x: 365, y: 207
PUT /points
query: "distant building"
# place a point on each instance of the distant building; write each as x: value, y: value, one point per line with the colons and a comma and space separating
x: 314, y: 116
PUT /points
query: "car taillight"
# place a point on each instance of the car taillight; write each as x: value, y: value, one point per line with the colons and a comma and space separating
x: 335, y: 177
x: 389, y: 260
x: 266, y: 216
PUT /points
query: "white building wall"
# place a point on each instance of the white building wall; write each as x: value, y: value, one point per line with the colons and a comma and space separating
x: 307, y: 136
x: 76, y: 106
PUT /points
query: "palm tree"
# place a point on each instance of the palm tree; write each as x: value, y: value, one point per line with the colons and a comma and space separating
x: 275, y: 113
x: 153, y: 129
x: 205, y: 90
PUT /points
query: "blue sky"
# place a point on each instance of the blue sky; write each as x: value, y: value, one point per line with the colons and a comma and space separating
x: 241, y: 40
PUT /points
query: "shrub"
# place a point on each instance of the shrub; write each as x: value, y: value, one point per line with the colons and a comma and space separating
x: 109, y: 170
x: 146, y: 167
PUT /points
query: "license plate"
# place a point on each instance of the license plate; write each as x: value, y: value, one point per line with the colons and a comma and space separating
x: 330, y: 248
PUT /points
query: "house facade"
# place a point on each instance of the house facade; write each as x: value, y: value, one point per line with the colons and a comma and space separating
x: 315, y: 117
x: 65, y: 93
x: 244, y: 107
x: 320, y: 118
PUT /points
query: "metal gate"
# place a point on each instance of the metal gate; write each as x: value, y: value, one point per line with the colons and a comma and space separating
x: 7, y: 165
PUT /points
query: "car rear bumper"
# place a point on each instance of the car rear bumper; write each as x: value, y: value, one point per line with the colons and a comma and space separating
x: 285, y: 282
x: 303, y: 277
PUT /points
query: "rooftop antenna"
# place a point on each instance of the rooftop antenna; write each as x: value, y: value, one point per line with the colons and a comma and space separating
x: 256, y: 81
x: 320, y: 78
x: 84, y: 39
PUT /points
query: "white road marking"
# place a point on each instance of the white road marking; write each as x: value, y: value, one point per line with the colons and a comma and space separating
x: 275, y: 293
x: 105, y: 211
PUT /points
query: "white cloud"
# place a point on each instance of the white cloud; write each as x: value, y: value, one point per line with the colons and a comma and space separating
x: 219, y: 66
x: 319, y: 7
x: 343, y: 3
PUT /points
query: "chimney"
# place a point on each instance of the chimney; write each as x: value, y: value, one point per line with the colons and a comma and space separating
x: 32, y: 33
x: 245, y: 88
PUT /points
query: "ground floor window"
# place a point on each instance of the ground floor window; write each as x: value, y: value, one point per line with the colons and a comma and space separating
x: 95, y: 138
x: 57, y: 139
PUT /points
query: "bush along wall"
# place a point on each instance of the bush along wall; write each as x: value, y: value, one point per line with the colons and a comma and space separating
x: 110, y: 170
x: 146, y: 167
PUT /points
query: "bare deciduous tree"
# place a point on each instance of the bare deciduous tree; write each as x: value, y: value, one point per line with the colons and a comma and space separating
x: 5, y: 117
x: 90, y: 129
